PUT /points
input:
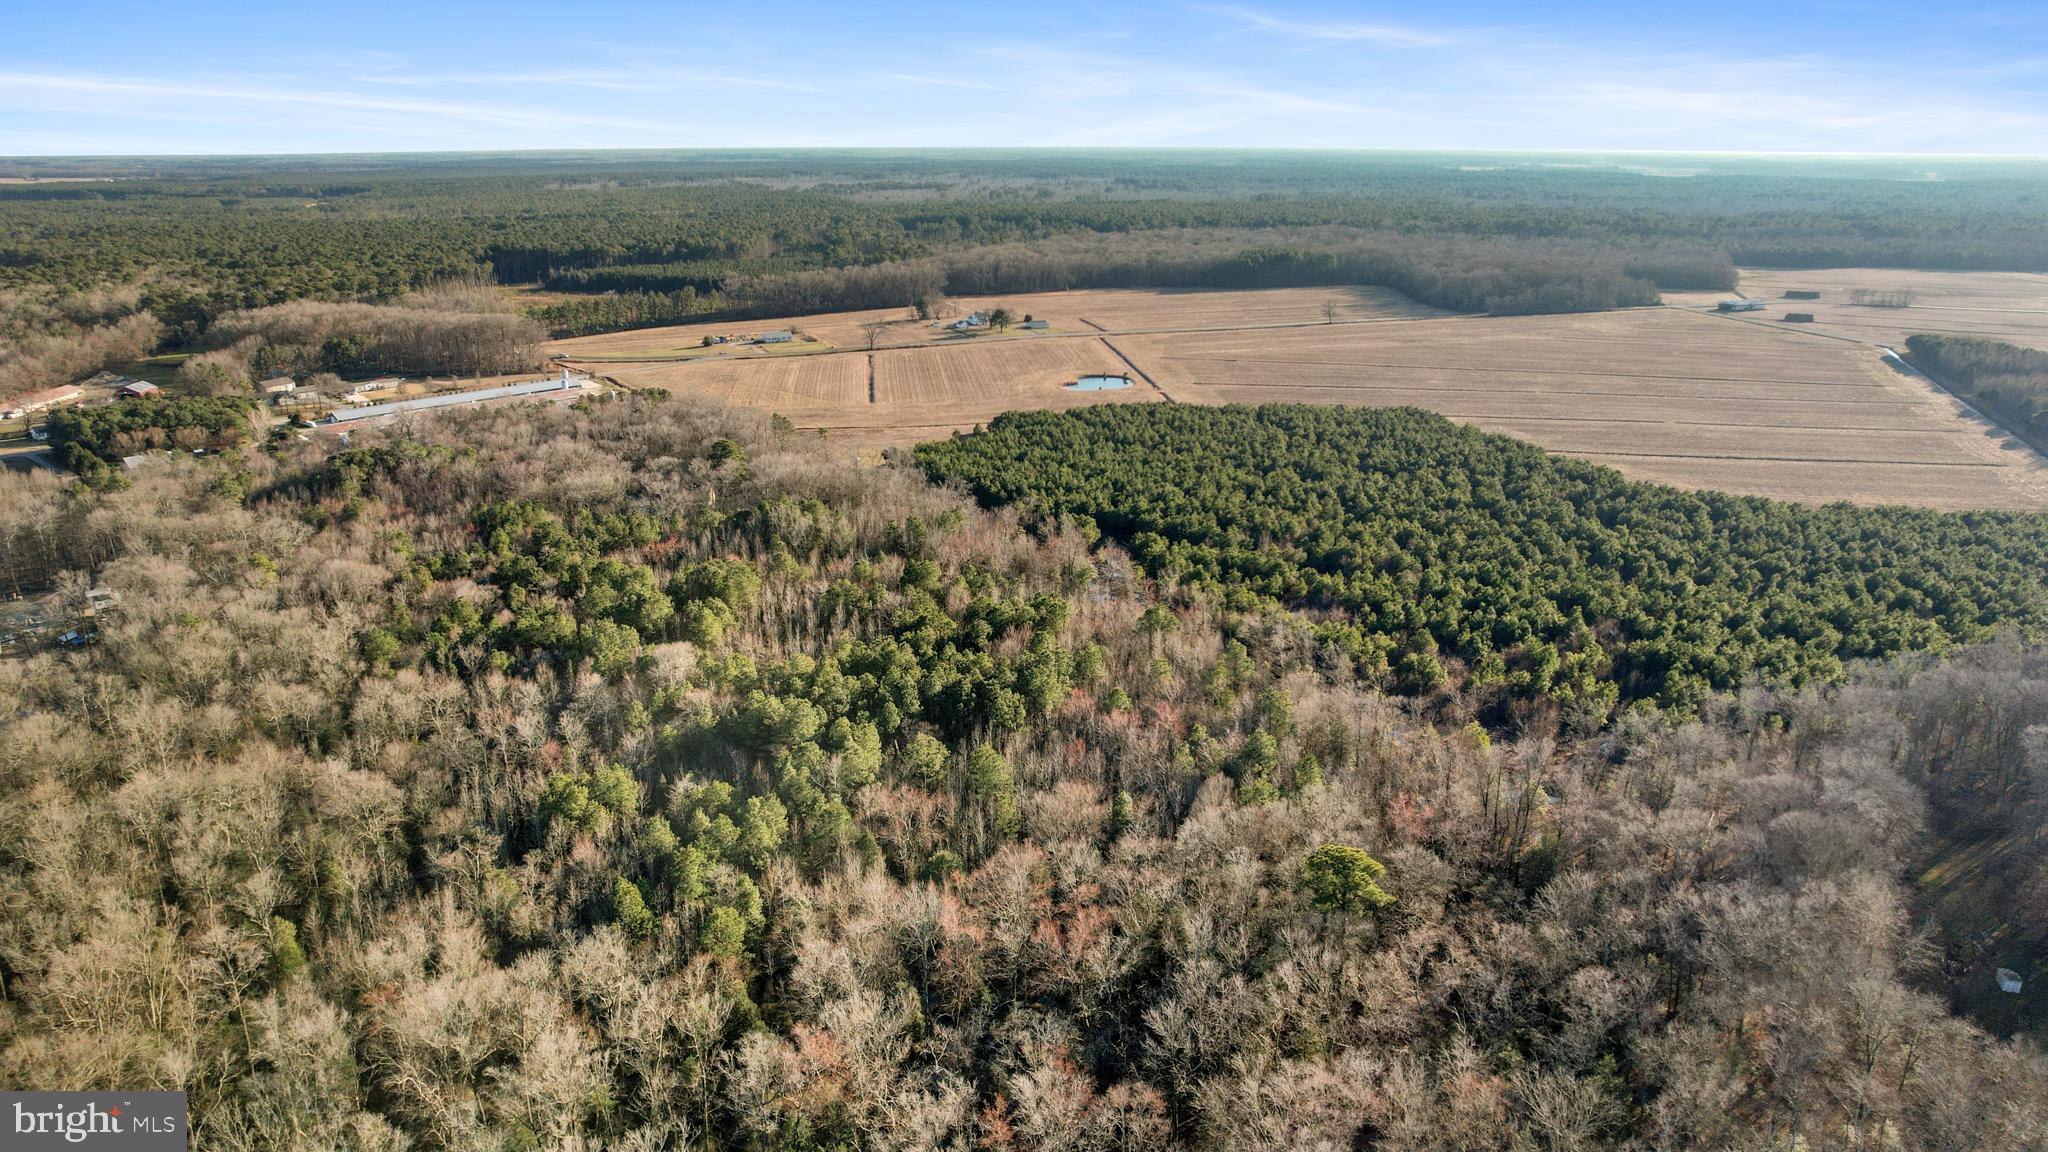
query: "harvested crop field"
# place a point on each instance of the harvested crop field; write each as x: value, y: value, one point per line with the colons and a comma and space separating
x: 2008, y: 306
x: 1662, y: 394
x: 989, y: 376
x: 1669, y: 394
x: 804, y: 388
x: 918, y: 394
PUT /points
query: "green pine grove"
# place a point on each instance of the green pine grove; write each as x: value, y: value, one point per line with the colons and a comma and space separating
x: 1448, y: 554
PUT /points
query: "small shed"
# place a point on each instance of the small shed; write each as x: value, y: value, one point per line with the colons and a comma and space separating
x: 2009, y: 982
x: 136, y: 389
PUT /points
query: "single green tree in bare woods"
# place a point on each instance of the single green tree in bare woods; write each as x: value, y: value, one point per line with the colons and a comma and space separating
x: 1340, y: 878
x: 631, y: 909
x: 724, y: 933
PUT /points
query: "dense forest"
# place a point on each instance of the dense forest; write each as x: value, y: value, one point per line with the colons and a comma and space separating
x: 1459, y: 556
x: 636, y: 776
x: 2008, y: 382
x: 685, y: 235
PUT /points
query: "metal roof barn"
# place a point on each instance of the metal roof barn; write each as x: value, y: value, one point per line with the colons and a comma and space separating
x: 449, y: 399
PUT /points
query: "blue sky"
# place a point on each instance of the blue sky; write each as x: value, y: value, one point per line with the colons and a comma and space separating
x: 369, y: 75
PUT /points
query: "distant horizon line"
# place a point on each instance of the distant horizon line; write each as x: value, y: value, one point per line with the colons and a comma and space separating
x: 910, y: 149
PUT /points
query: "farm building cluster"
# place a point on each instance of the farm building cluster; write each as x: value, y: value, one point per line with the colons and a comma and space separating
x: 981, y: 321
x: 103, y: 386
x: 564, y: 385
x: 290, y: 402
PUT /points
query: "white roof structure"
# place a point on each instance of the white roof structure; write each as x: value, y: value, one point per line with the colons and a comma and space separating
x: 564, y: 383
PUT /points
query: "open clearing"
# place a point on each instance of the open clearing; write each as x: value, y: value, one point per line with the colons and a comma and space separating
x: 1667, y: 394
x: 2008, y: 306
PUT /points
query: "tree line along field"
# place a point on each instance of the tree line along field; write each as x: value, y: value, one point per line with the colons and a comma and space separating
x: 1096, y: 310
x: 2007, y: 306
x: 1663, y: 394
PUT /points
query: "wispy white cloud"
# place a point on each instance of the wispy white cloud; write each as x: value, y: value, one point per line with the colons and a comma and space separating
x: 1794, y: 103
x: 1329, y: 31
x: 936, y: 82
x: 505, y: 80
x: 624, y: 80
x: 109, y: 95
x: 364, y: 60
x: 1266, y: 75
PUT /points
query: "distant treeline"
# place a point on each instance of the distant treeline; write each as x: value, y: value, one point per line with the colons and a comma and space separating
x: 213, y: 238
x: 1500, y: 276
x: 2009, y: 383
x: 698, y: 277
